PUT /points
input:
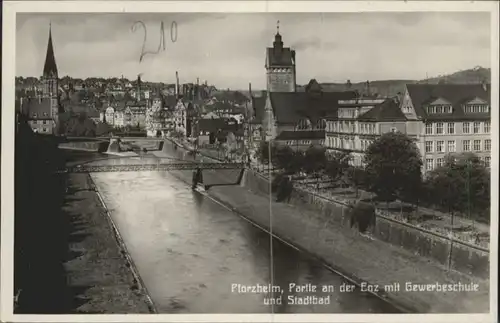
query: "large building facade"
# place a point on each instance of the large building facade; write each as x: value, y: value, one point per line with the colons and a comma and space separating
x: 359, y: 122
x: 449, y: 119
x: 442, y: 119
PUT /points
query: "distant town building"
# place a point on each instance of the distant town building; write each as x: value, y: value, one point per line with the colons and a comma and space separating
x: 180, y: 117
x: 135, y: 115
x: 42, y: 110
x: 296, y: 119
x: 155, y: 117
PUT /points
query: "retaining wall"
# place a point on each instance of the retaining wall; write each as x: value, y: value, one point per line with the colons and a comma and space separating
x: 460, y: 256
x: 96, y: 146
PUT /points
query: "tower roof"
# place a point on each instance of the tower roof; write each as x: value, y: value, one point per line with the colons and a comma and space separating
x: 278, y: 43
x: 50, y: 67
x: 279, y: 55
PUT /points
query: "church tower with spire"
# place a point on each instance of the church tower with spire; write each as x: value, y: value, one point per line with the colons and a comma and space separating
x: 280, y: 66
x: 50, y: 82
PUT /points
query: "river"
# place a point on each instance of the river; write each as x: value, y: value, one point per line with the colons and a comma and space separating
x: 191, y: 252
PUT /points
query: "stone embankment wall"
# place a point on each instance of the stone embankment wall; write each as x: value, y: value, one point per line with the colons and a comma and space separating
x: 454, y: 254
x: 96, y: 146
x: 458, y: 255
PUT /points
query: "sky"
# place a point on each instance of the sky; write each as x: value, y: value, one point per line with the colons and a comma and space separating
x: 228, y: 50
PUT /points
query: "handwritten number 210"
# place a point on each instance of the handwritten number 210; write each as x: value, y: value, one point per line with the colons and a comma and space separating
x: 161, y: 45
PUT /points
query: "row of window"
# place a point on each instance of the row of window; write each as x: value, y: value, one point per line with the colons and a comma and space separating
x: 477, y: 108
x: 350, y: 126
x: 347, y: 113
x: 438, y: 128
x: 41, y: 122
x: 347, y: 143
x: 473, y: 108
x: 365, y: 144
x: 430, y: 163
x: 35, y: 115
x: 451, y: 146
x: 42, y: 130
x: 302, y: 142
x: 439, y: 109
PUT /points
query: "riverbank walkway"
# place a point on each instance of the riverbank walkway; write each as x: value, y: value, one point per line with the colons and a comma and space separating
x: 100, y: 271
x: 370, y: 260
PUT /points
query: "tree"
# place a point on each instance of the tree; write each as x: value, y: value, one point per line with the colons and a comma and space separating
x: 102, y: 129
x: 356, y: 176
x: 315, y: 159
x: 336, y: 165
x: 297, y: 162
x: 363, y: 216
x: 263, y: 152
x: 393, y: 166
x: 282, y: 158
x: 461, y: 185
x: 80, y: 126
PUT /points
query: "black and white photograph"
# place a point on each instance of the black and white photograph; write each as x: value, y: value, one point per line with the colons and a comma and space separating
x: 229, y: 158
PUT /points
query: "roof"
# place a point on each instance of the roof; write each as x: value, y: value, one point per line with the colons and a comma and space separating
x: 456, y: 94
x: 39, y: 107
x: 211, y: 125
x: 93, y: 113
x: 118, y: 105
x: 239, y: 133
x: 50, y: 67
x: 386, y: 111
x: 313, y: 85
x: 259, y: 105
x: 221, y: 106
x: 301, y: 135
x: 170, y: 101
x: 279, y: 58
x: 290, y: 107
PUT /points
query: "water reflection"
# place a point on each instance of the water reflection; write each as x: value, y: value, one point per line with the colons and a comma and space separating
x: 190, y: 250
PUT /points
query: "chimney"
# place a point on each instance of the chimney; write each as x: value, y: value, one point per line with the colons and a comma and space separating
x: 198, y: 92
x: 250, y: 89
x: 138, y: 97
x: 484, y: 85
x: 177, y: 84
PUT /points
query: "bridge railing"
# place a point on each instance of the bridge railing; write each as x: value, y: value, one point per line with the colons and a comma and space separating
x: 151, y: 167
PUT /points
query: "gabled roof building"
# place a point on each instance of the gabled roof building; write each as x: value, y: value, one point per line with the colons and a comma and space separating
x: 359, y: 122
x: 449, y: 119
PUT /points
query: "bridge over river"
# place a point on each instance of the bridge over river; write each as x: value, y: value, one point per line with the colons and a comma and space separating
x: 191, y: 251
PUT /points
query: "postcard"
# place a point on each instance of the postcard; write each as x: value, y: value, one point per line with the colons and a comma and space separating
x: 237, y: 161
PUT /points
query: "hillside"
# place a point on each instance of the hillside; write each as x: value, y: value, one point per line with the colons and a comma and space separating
x: 392, y: 87
x: 475, y: 75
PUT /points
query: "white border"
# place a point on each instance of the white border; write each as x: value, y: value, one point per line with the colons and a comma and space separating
x: 7, y: 220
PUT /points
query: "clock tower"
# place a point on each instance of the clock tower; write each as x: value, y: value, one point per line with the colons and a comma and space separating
x: 280, y: 66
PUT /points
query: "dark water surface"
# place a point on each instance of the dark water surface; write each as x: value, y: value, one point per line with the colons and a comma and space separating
x: 191, y: 253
